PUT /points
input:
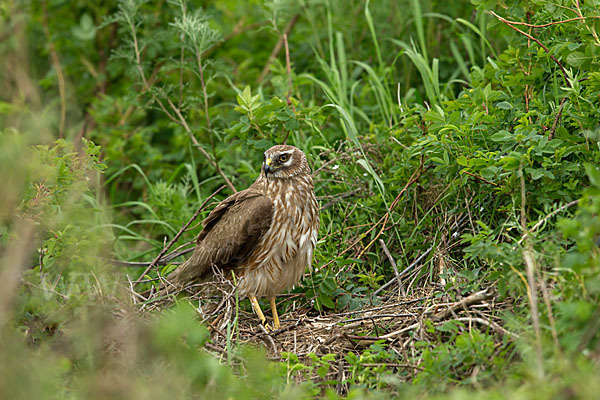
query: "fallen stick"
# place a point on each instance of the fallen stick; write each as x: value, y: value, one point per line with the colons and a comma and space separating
x: 463, y: 304
x: 394, y: 266
x: 405, y: 271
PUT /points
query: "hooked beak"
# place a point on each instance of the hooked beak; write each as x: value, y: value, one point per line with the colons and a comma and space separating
x: 267, y: 166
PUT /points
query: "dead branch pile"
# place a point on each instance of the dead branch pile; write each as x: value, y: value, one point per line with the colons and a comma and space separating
x: 398, y: 321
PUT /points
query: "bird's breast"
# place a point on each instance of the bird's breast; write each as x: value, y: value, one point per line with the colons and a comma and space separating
x: 286, y: 249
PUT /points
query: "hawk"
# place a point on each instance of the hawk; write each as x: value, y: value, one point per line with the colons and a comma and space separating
x: 265, y: 234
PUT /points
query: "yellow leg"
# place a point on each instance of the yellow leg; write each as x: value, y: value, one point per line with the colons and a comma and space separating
x: 276, y: 324
x: 257, y: 309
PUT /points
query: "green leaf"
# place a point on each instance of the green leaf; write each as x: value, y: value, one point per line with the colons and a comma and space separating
x: 501, y: 136
x: 450, y: 326
x: 510, y: 163
x: 291, y: 124
x: 322, y: 370
x: 351, y: 358
x: 367, y: 166
x: 504, y: 105
x: 328, y: 285
x: 576, y: 58
x: 86, y: 30
x: 326, y: 301
x: 489, y: 172
x: 247, y: 95
x: 593, y: 173
x: 261, y: 144
x: 536, y: 173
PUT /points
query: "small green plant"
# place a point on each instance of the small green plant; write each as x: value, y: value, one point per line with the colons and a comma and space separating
x: 371, y: 368
x: 472, y: 354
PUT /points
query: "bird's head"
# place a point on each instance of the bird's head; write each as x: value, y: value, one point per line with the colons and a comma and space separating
x: 283, y: 161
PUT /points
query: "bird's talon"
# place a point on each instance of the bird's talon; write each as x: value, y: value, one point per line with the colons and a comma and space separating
x: 266, y: 326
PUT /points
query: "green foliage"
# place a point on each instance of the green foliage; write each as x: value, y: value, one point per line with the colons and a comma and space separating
x: 118, y: 119
x: 471, y: 354
x: 579, y: 311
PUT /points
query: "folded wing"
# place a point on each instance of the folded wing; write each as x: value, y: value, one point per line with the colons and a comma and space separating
x: 231, y: 233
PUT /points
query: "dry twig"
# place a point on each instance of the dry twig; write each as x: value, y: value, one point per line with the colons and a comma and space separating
x: 546, y: 218
x: 531, y: 271
x: 463, y: 304
x: 394, y: 266
x: 479, y: 177
x: 405, y: 271
x: 174, y: 239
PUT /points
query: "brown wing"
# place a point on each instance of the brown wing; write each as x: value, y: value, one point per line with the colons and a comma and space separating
x: 231, y: 231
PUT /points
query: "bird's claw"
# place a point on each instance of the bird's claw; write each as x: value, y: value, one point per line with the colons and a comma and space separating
x: 266, y: 326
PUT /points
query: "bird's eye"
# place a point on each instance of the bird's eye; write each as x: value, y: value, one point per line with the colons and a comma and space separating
x: 284, y: 157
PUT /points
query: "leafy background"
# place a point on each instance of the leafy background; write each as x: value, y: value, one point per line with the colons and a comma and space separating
x: 119, y: 118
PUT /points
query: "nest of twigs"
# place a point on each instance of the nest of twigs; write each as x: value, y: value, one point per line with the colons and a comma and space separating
x: 397, y: 320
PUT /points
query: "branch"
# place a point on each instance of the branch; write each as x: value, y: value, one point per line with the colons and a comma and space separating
x: 546, y: 218
x: 138, y: 264
x: 550, y: 23
x: 510, y: 25
x: 557, y: 118
x: 289, y: 76
x: 180, y: 120
x: 277, y: 48
x: 463, y: 304
x: 138, y: 61
x: 531, y: 266
x: 394, y: 266
x: 340, y: 198
x: 479, y: 177
x: 481, y: 321
x: 405, y: 271
x: 414, y: 178
x: 208, y: 124
x: 490, y: 324
x: 183, y: 228
x: 212, y: 162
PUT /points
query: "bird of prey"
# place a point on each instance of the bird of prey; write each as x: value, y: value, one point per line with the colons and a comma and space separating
x: 265, y: 234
